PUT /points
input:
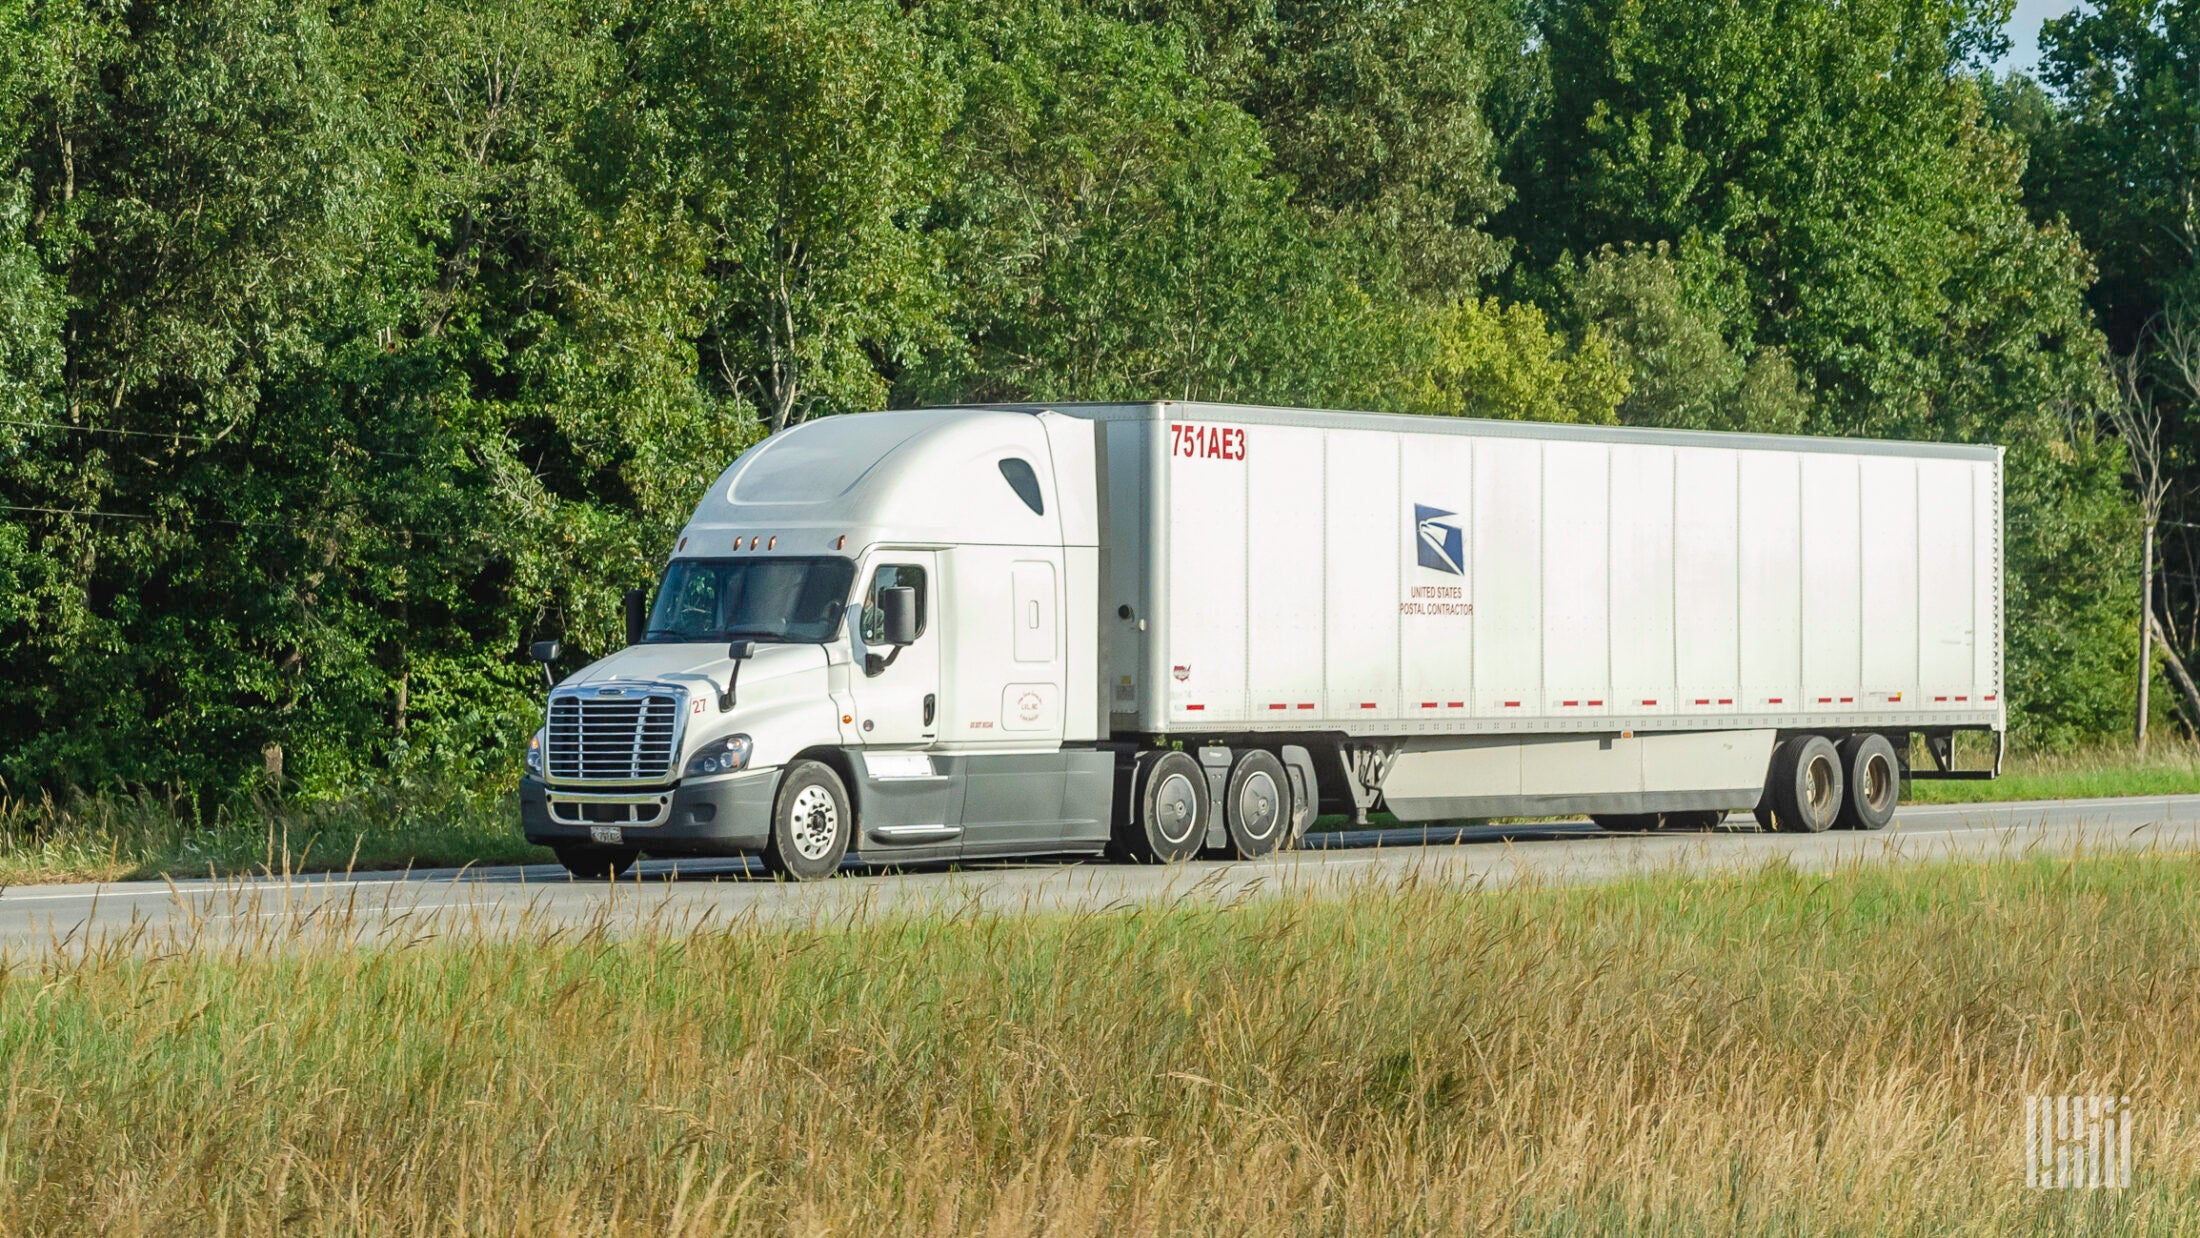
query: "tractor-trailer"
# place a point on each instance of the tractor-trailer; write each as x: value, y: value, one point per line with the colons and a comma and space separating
x: 1165, y: 629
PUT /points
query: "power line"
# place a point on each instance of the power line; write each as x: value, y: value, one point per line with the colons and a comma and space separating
x: 86, y: 511
x: 75, y: 511
x: 164, y: 435
x: 63, y: 425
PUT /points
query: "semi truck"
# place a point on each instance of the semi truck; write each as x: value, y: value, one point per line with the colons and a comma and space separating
x: 1160, y: 630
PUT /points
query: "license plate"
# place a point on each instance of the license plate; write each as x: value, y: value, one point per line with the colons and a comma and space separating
x: 610, y: 835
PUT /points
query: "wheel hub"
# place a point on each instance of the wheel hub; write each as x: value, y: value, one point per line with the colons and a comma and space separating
x: 1175, y: 806
x: 1257, y: 804
x: 813, y: 822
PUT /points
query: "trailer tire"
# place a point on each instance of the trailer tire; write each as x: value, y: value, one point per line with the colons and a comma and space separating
x: 589, y: 862
x: 811, y: 823
x: 1874, y: 782
x: 1169, y: 806
x: 1632, y: 822
x: 1256, y: 806
x: 1806, y: 785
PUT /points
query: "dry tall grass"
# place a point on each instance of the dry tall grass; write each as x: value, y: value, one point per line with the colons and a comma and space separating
x: 116, y: 836
x: 1779, y: 1054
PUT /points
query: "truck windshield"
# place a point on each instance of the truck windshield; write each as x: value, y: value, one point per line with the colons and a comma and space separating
x: 798, y: 601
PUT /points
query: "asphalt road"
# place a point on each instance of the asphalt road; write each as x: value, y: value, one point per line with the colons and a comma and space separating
x: 681, y: 897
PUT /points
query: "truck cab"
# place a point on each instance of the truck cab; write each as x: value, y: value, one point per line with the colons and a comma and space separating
x: 876, y: 635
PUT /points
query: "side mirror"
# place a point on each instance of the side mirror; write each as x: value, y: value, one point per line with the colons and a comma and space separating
x: 636, y: 617
x: 898, y: 612
x: 546, y: 652
x: 740, y: 651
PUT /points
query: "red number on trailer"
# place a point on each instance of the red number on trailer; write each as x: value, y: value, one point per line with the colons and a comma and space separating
x: 1197, y: 442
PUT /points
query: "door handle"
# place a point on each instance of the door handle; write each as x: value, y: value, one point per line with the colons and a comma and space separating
x: 931, y: 703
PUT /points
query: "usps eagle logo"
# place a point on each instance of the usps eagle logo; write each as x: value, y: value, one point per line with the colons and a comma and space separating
x: 1439, y: 542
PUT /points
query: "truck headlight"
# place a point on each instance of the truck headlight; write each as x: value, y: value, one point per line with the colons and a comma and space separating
x: 721, y: 756
x: 534, y: 754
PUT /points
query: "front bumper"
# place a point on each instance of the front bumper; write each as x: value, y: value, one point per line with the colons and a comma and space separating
x: 716, y: 816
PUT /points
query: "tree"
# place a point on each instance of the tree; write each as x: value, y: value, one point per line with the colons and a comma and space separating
x: 1504, y: 362
x: 2138, y: 423
x: 1680, y: 370
x: 1117, y: 232
x: 1834, y: 172
x: 1374, y: 113
x: 800, y: 141
x: 2120, y: 158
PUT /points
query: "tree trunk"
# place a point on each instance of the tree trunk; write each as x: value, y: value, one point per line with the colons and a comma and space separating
x: 2178, y: 672
x: 2146, y: 635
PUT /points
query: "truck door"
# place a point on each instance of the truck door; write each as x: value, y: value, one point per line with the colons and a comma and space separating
x: 900, y: 704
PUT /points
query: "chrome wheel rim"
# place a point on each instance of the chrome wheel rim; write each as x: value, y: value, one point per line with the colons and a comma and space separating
x: 813, y: 822
x: 1259, y: 807
x: 1878, y: 783
x: 1175, y: 807
x: 1819, y: 779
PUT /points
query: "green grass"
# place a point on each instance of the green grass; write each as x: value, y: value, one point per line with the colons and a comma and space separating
x: 1774, y: 1054
x: 2170, y: 768
x: 114, y: 837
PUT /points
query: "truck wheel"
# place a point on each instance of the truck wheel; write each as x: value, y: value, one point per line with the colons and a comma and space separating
x: 1631, y: 822
x: 1168, y: 820
x: 811, y: 823
x: 1806, y: 785
x: 588, y: 862
x: 1874, y: 779
x: 1697, y: 820
x: 1257, y: 805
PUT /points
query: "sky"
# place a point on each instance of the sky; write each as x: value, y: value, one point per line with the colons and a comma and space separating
x: 2024, y: 32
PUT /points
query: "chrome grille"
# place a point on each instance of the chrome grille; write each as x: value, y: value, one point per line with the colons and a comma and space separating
x: 612, y: 738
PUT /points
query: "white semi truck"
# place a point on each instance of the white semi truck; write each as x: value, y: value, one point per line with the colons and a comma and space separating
x: 1156, y: 630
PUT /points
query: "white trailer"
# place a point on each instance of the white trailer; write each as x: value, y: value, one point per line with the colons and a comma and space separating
x: 1168, y: 627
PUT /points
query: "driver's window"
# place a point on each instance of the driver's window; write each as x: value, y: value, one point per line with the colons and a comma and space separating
x: 698, y: 603
x: 891, y: 576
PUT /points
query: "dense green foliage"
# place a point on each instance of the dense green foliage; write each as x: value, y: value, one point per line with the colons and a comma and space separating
x: 343, y: 351
x: 2111, y: 127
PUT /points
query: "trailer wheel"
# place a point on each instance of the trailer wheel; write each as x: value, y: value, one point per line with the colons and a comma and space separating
x: 1169, y: 821
x: 1806, y: 785
x: 1631, y: 822
x: 811, y: 823
x: 1257, y: 805
x: 588, y: 862
x: 1874, y: 780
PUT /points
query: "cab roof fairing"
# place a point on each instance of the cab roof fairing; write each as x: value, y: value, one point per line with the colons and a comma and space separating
x: 925, y: 476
